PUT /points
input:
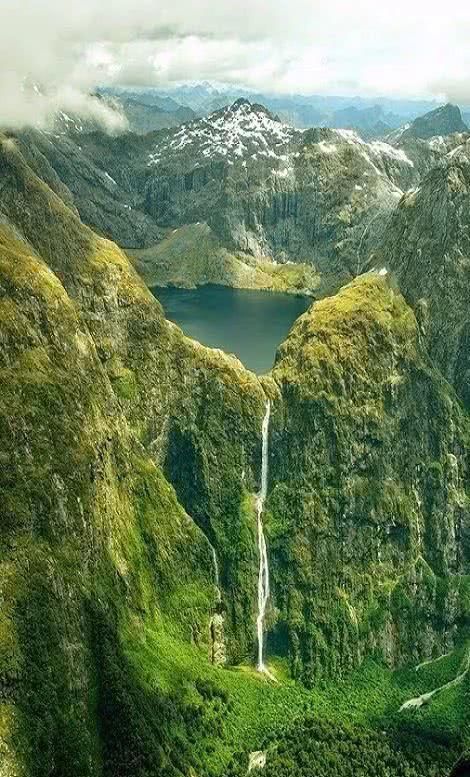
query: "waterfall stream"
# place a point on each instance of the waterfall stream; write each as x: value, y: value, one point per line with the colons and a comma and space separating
x: 216, y: 573
x: 263, y: 574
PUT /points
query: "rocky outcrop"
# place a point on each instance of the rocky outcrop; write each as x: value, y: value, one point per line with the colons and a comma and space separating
x: 444, y: 120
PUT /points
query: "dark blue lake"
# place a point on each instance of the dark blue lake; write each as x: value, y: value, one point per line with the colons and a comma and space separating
x: 250, y: 324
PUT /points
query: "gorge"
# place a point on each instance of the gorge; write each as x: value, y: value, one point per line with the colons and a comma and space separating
x: 145, y: 476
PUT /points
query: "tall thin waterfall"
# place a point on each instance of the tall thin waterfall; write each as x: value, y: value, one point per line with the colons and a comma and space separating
x: 263, y: 574
x: 216, y: 572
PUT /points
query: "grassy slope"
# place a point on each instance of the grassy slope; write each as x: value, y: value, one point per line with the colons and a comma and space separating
x: 193, y: 256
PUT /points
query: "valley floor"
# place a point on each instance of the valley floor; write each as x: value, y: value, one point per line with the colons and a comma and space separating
x: 244, y: 711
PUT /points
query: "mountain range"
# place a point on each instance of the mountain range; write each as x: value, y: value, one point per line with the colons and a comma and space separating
x: 132, y: 457
x: 259, y: 192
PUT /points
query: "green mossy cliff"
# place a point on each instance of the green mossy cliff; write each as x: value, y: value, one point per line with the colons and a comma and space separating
x: 167, y: 386
x: 368, y: 511
x: 95, y: 547
x: 93, y: 543
x: 427, y: 247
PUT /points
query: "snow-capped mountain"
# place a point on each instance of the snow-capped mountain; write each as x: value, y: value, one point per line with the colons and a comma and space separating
x: 246, y: 132
x: 319, y: 196
x: 240, y: 132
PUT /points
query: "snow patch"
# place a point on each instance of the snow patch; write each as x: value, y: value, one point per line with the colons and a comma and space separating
x: 237, y: 132
x: 327, y: 148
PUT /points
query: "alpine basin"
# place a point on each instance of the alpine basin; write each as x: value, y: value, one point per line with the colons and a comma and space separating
x: 249, y: 324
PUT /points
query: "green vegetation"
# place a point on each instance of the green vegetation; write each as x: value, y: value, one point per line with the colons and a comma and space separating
x: 368, y: 455
x: 125, y: 448
x: 243, y: 711
x: 192, y: 255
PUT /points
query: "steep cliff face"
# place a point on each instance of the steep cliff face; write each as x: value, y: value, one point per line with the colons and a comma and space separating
x: 99, y: 393
x: 427, y: 247
x: 187, y: 405
x: 368, y: 512
x: 94, y: 545
x: 112, y: 207
x: 444, y: 120
x: 317, y: 197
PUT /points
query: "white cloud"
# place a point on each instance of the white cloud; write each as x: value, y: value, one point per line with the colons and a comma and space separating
x: 408, y: 48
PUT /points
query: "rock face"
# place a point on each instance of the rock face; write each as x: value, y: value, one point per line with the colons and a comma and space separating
x: 218, y: 648
x: 113, y: 209
x: 368, y: 512
x: 97, y: 392
x: 427, y: 247
x: 266, y: 190
x: 442, y: 121
x: 94, y: 542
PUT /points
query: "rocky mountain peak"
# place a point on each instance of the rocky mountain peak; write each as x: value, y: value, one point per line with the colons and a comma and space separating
x: 237, y: 132
x: 444, y: 120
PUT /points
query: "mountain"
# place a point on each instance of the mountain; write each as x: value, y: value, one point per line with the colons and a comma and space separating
x: 267, y: 193
x: 143, y: 118
x: 427, y: 247
x: 269, y: 190
x: 146, y: 111
x: 371, y: 122
x: 444, y: 120
x: 265, y: 190
x: 95, y: 547
x: 111, y: 209
x: 131, y: 463
x: 260, y: 193
x: 303, y: 111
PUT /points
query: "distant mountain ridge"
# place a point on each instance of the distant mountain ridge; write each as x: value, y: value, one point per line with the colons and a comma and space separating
x: 266, y: 190
x: 444, y: 120
x: 260, y: 192
x: 147, y: 112
x: 372, y: 117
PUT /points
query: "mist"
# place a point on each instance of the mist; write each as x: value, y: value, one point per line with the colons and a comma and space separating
x: 67, y: 50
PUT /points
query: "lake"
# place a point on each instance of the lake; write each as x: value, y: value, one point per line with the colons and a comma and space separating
x: 250, y: 324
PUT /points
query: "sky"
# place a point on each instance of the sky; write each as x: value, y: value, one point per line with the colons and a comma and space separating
x: 408, y: 48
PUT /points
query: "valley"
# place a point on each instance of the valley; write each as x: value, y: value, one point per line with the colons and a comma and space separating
x: 234, y: 448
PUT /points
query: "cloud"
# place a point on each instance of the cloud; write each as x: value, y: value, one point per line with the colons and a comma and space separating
x: 413, y: 48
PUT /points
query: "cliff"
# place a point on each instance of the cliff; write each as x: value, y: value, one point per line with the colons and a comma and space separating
x: 369, y: 505
x: 426, y: 245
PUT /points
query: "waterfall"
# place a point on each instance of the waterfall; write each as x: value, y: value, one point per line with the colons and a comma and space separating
x: 218, y: 651
x: 263, y: 574
x: 216, y: 572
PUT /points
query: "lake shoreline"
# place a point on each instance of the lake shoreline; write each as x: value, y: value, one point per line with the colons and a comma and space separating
x: 248, y: 323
